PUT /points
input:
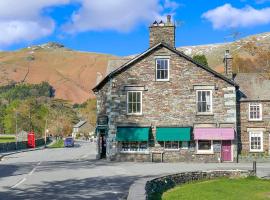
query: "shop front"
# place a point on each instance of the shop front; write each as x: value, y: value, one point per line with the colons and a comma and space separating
x: 215, y: 141
x: 133, y: 143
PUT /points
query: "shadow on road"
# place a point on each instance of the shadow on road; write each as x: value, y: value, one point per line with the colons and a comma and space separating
x: 15, y: 170
x: 109, y: 188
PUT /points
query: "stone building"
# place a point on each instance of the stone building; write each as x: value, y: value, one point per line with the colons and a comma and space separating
x: 164, y: 106
x: 253, y: 114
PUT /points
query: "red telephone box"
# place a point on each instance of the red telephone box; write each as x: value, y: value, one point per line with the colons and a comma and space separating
x: 31, y: 142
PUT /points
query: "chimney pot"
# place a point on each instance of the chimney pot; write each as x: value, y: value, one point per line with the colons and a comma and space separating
x: 169, y: 18
x: 162, y: 32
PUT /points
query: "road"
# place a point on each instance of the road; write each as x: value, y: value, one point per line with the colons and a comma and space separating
x: 73, y: 173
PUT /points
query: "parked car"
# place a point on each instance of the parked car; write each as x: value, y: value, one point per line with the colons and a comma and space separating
x: 69, y: 142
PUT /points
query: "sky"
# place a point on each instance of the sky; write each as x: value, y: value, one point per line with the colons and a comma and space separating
x: 120, y: 27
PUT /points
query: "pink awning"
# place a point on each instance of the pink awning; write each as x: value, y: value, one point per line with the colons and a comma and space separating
x: 213, y: 134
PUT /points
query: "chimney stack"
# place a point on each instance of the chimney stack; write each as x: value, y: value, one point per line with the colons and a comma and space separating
x: 228, y: 70
x: 162, y: 32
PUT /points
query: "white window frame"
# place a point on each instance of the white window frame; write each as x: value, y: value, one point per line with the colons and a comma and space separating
x: 260, y: 133
x: 138, y: 145
x: 210, y: 151
x: 133, y: 113
x: 181, y: 147
x: 168, y: 69
x: 211, y: 101
x: 260, y: 107
x: 171, y: 149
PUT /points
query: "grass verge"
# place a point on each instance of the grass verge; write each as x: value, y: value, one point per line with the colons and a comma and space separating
x: 6, y: 139
x: 57, y: 144
x: 221, y: 189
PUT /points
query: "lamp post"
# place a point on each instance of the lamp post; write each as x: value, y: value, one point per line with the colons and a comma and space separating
x: 46, y: 132
x: 16, y: 114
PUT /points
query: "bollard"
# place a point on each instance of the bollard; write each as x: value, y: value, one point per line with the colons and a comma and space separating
x: 254, y: 167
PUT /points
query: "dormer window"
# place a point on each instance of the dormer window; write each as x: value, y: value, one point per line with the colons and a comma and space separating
x: 255, y: 111
x: 162, y: 69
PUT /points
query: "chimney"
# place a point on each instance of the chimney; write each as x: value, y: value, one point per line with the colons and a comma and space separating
x: 162, y: 32
x: 228, y: 71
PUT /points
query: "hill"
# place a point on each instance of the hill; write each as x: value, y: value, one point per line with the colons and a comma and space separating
x: 215, y: 52
x: 73, y: 73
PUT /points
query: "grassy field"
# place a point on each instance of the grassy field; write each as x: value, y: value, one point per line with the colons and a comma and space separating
x: 5, y: 139
x: 58, y: 144
x: 230, y: 189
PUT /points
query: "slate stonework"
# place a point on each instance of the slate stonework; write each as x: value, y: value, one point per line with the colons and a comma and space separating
x: 171, y: 103
x: 246, y: 124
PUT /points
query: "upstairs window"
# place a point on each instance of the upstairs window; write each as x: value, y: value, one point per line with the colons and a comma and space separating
x: 204, y: 101
x: 162, y: 69
x: 255, y: 111
x: 256, y: 141
x: 134, y: 102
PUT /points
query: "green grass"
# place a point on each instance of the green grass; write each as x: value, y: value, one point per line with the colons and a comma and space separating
x: 6, y: 139
x: 230, y: 189
x: 58, y: 144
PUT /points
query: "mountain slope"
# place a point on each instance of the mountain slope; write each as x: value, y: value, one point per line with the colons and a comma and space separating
x: 71, y: 73
x: 215, y: 52
x: 74, y: 73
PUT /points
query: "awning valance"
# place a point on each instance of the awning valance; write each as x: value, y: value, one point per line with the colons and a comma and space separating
x: 173, y: 134
x: 214, y: 134
x: 132, y: 134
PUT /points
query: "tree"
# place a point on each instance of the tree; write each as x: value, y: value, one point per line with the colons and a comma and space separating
x: 201, y: 59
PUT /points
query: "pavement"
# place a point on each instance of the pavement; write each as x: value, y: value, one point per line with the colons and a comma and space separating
x: 73, y: 173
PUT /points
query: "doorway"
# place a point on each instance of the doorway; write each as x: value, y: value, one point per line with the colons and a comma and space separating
x: 102, y: 145
x: 226, y: 152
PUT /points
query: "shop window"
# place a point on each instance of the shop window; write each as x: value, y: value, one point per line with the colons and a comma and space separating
x: 204, y: 146
x: 134, y: 146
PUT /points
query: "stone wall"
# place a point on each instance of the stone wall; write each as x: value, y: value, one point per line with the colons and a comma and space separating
x: 132, y: 157
x: 167, y: 156
x: 159, y: 185
x: 245, y: 125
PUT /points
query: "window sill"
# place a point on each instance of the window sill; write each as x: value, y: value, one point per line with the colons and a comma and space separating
x: 163, y: 80
x: 256, y: 151
x: 255, y: 120
x: 204, y: 153
x: 135, y: 152
x: 204, y: 114
x: 180, y: 149
x: 135, y: 114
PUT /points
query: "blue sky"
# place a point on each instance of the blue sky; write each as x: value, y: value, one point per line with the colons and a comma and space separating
x: 120, y: 27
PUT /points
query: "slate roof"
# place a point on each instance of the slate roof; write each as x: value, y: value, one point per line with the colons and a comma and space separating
x: 116, y: 63
x: 79, y: 124
x: 253, y: 86
x: 142, y: 55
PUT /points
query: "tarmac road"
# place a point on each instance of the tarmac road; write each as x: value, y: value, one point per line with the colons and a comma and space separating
x: 73, y: 173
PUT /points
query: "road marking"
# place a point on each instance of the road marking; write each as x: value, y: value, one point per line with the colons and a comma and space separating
x: 19, y: 183
x: 29, y: 174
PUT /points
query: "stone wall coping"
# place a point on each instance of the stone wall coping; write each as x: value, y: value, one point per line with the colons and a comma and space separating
x: 137, y: 190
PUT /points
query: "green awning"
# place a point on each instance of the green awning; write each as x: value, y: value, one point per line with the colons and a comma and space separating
x: 132, y: 134
x: 173, y: 134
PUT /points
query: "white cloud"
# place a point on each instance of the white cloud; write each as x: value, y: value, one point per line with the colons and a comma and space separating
x: 227, y: 16
x: 119, y: 15
x: 23, y: 20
